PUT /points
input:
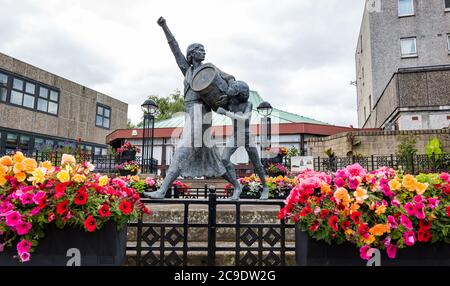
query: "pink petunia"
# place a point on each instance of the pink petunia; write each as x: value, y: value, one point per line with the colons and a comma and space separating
x: 2, y: 247
x: 39, y: 198
x: 420, y: 211
x: 434, y: 203
x: 418, y: 199
x: 23, y: 246
x: 392, y: 222
x: 404, y: 220
x: 355, y: 170
x: 391, y: 251
x: 410, y: 209
x: 395, y: 203
x: 6, y: 207
x: 13, y: 219
x: 353, y: 184
x: 35, y: 211
x: 409, y: 238
x: 24, y: 257
x: 445, y: 177
x: 26, y: 199
x: 23, y: 228
x: 363, y: 252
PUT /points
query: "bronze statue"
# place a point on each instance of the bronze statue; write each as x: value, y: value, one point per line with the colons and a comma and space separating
x: 240, y: 111
x: 196, y: 154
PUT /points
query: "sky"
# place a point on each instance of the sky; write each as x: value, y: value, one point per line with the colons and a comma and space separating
x: 297, y: 54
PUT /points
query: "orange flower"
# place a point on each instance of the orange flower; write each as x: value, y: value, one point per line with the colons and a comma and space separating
x: 349, y: 232
x: 19, y: 167
x: 20, y: 176
x: 47, y: 165
x: 354, y: 208
x: 360, y: 195
x: 395, y: 185
x: 409, y: 182
x: 6, y: 160
x: 3, y: 170
x: 325, y: 188
x: 342, y: 196
x: 2, y: 181
x: 369, y: 240
x: 30, y: 165
x: 421, y: 188
x: 381, y: 209
x: 18, y: 157
x: 378, y: 230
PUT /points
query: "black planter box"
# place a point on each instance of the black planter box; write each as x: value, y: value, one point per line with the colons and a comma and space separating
x: 126, y: 172
x: 128, y: 155
x: 105, y: 247
x: 310, y: 252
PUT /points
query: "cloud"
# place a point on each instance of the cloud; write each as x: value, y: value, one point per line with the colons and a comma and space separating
x: 298, y: 54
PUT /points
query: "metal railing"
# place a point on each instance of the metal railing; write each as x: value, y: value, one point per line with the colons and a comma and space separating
x: 409, y: 164
x: 170, y: 244
x: 102, y: 163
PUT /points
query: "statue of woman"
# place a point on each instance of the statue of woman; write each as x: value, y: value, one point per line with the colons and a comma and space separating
x: 196, y: 155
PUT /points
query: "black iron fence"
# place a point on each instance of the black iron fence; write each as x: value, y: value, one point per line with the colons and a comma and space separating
x: 170, y: 244
x: 102, y: 163
x: 409, y: 164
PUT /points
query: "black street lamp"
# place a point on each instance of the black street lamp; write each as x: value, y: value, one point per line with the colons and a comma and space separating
x: 149, y: 107
x: 265, y: 109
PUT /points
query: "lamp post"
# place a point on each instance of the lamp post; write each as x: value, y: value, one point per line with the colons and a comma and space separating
x: 265, y: 109
x: 149, y: 107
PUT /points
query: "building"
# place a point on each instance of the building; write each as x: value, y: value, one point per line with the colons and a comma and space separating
x: 403, y: 65
x: 288, y: 130
x: 39, y: 109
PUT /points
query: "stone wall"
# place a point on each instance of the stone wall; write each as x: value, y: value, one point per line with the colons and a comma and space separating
x: 77, y: 108
x: 375, y: 142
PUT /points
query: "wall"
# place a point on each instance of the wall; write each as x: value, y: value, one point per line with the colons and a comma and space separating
x: 376, y: 142
x: 77, y: 108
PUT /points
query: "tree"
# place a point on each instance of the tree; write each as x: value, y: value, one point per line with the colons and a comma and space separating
x: 130, y: 124
x: 167, y: 106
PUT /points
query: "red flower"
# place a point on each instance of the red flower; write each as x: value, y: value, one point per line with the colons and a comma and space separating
x: 315, y: 225
x: 345, y: 224
x: 356, y: 217
x: 126, y: 207
x: 425, y: 225
x: 424, y: 236
x: 306, y: 211
x: 447, y: 210
x: 62, y: 207
x: 104, y: 211
x: 81, y: 198
x: 333, y: 222
x: 324, y: 213
x: 363, y: 230
x: 90, y: 224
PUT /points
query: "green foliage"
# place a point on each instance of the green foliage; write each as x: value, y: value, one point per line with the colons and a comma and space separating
x: 130, y: 124
x: 433, y: 147
x: 329, y: 152
x: 407, y: 146
x: 167, y: 106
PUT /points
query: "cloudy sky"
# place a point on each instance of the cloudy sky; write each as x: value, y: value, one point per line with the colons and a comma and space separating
x: 298, y: 54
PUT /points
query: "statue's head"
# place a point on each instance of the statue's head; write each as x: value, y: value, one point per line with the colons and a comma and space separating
x: 240, y: 90
x: 195, y: 51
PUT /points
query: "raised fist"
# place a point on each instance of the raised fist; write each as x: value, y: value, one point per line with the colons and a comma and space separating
x: 161, y: 21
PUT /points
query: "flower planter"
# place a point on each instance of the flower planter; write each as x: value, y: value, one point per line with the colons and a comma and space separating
x: 105, y: 247
x: 128, y: 155
x: 127, y: 172
x: 310, y: 252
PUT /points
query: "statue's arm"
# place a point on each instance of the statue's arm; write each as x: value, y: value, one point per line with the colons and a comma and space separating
x: 173, y: 44
x: 246, y: 115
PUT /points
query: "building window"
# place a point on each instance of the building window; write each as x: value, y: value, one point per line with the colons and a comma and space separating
x: 448, y: 43
x: 3, y: 86
x: 28, y: 94
x: 405, y: 8
x: 103, y: 116
x: 409, y: 47
x: 447, y: 5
